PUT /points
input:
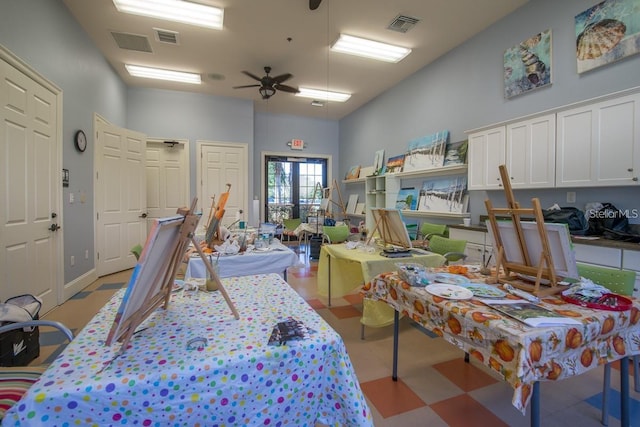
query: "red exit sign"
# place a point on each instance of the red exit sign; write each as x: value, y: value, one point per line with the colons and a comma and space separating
x: 297, y: 144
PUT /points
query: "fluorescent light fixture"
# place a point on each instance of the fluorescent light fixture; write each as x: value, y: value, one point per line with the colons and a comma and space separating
x: 322, y: 95
x: 370, y: 49
x: 174, y: 10
x: 157, y: 73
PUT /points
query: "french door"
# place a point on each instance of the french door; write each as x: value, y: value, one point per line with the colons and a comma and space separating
x: 293, y: 186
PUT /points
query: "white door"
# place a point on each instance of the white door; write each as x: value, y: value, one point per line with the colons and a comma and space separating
x: 167, y: 172
x: 220, y: 164
x: 30, y: 190
x: 120, y: 196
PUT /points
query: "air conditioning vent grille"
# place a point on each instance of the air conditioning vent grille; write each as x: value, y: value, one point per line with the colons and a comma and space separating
x: 166, y: 36
x: 403, y: 23
x: 132, y: 42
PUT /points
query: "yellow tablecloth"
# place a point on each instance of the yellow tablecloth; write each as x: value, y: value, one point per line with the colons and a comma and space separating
x: 350, y: 268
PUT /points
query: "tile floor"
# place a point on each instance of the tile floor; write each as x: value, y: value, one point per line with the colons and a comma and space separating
x: 435, y: 387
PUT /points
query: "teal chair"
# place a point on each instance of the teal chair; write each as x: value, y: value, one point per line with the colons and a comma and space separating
x: 620, y: 282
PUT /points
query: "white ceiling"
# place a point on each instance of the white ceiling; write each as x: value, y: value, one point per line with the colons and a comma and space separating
x: 256, y: 34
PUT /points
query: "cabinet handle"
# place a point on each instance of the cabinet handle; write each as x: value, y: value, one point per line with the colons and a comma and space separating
x: 635, y: 178
x: 630, y: 170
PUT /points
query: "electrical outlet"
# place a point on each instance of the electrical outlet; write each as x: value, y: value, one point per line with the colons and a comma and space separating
x: 571, y: 196
x: 86, y: 254
x: 73, y: 260
x: 71, y: 198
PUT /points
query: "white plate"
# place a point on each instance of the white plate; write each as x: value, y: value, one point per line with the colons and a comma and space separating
x: 449, y: 291
x: 452, y: 279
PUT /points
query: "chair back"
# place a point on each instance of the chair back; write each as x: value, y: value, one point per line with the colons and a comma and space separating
x: 451, y: 249
x: 428, y: 229
x: 616, y: 280
x: 291, y: 223
x: 335, y: 233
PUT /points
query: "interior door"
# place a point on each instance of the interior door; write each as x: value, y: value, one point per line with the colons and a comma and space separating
x: 30, y: 190
x: 167, y: 173
x: 121, y: 199
x: 221, y: 164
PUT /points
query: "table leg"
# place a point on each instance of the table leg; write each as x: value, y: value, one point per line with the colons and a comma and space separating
x: 624, y: 392
x: 329, y: 279
x: 535, y: 405
x: 396, y: 330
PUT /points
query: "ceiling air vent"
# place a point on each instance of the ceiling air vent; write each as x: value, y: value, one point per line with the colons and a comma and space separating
x: 403, y: 23
x: 132, y: 42
x: 166, y: 36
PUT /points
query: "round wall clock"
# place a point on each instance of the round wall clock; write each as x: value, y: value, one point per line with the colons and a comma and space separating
x: 80, y: 140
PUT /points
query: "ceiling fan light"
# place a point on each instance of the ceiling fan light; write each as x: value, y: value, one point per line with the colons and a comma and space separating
x: 323, y: 95
x: 266, y: 92
x: 369, y: 49
x: 160, y: 74
x: 174, y: 10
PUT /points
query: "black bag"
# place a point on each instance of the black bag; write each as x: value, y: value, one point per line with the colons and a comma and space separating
x: 20, y: 346
x: 573, y: 217
x: 608, y: 221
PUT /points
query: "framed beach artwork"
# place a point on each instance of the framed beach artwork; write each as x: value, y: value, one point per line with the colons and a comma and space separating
x: 353, y: 173
x: 378, y: 163
x: 456, y: 153
x: 527, y: 65
x: 606, y: 33
x: 395, y: 163
x: 447, y: 194
x: 407, y: 199
x: 426, y: 152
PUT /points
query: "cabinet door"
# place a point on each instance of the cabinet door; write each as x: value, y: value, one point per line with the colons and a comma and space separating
x: 599, y: 144
x: 486, y: 153
x: 531, y: 152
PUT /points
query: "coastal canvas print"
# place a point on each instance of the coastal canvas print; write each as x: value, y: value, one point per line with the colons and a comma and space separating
x: 444, y: 194
x: 378, y: 163
x: 606, y: 33
x: 527, y: 66
x: 353, y: 173
x: 456, y: 153
x: 407, y: 199
x: 395, y: 163
x: 426, y: 152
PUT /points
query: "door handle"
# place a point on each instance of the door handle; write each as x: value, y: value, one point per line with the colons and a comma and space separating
x: 144, y: 215
x: 54, y: 227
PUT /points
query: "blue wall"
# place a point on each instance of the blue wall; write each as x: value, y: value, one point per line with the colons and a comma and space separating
x: 463, y: 90
x: 44, y: 35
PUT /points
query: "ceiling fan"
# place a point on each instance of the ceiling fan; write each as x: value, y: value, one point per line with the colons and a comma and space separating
x: 269, y: 85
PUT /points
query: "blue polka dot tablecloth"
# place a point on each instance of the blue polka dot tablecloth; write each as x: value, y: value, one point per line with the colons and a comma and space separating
x: 194, y: 364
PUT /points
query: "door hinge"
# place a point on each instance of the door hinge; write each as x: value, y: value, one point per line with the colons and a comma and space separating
x: 97, y: 216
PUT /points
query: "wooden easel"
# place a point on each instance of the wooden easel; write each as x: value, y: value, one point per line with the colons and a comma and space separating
x: 545, y: 269
x: 388, y: 229
x: 213, y: 228
x: 160, y: 280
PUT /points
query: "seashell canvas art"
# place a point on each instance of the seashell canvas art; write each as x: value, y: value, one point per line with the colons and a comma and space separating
x: 527, y: 65
x: 606, y: 33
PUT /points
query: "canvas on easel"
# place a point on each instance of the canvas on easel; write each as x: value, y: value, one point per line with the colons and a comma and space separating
x: 152, y: 279
x: 390, y: 227
x: 527, y: 252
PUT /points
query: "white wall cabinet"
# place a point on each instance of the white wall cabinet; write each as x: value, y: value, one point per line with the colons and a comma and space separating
x: 531, y: 152
x: 599, y: 144
x: 485, y: 153
x: 375, y: 189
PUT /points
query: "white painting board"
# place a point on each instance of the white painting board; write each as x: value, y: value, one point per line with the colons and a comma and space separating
x: 562, y: 253
x: 352, y: 203
x: 146, y: 281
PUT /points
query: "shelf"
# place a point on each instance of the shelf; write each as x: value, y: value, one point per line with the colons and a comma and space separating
x: 354, y: 181
x: 447, y: 170
x: 422, y: 214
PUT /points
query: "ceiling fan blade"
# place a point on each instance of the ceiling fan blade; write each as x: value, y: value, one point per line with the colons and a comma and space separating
x: 240, y: 87
x: 313, y: 4
x: 286, y: 88
x: 253, y: 76
x: 282, y: 78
